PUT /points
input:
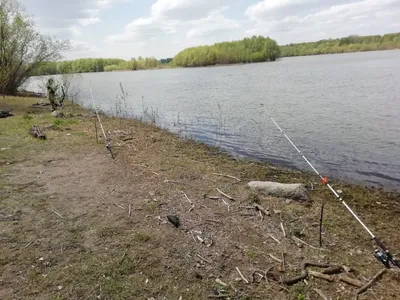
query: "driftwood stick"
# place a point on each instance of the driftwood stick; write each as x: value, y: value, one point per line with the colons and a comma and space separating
x: 274, y: 238
x: 262, y: 209
x: 319, y: 275
x: 37, y: 133
x: 130, y: 210
x: 275, y: 258
x: 228, y: 176
x: 241, y: 275
x: 226, y: 195
x: 202, y: 258
x: 304, y: 274
x: 319, y: 292
x: 283, y: 230
x: 320, y: 224
x: 370, y: 283
x: 187, y: 198
x: 57, y: 213
x: 333, y: 270
x: 351, y: 281
x: 214, y: 197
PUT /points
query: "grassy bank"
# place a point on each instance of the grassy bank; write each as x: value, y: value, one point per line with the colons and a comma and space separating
x: 78, y: 225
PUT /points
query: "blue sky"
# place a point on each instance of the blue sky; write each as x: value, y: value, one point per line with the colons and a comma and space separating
x: 161, y: 28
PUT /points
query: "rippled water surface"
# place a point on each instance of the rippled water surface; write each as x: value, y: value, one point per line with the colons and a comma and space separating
x: 342, y: 111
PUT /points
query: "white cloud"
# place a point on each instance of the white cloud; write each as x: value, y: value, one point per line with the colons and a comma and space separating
x: 190, y: 19
x: 67, y: 18
x: 184, y: 9
x: 211, y: 24
x: 358, y: 17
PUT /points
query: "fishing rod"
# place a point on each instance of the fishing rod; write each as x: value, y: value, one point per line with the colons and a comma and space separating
x: 107, y: 138
x: 383, y: 255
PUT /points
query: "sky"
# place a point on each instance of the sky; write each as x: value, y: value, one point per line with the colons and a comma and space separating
x: 162, y: 28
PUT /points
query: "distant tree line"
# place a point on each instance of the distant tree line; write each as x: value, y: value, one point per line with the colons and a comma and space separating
x: 255, y: 49
x: 248, y: 50
x: 87, y: 65
x: 351, y: 43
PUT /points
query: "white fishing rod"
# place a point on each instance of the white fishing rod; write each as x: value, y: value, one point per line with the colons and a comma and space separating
x: 385, y: 257
x: 107, y: 139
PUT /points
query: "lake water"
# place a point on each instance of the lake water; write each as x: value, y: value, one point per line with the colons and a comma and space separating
x: 342, y: 111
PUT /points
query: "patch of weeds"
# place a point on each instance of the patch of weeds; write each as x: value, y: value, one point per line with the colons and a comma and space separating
x: 4, y: 260
x: 151, y: 206
x: 252, y: 254
x: 126, y: 266
x: 27, y: 117
x: 58, y: 122
x: 254, y: 198
x: 141, y: 237
x: 71, y: 121
x: 106, y: 232
x: 298, y: 292
x: 327, y: 224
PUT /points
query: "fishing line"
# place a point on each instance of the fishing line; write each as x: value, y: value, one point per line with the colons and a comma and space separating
x: 383, y: 256
x: 107, y: 139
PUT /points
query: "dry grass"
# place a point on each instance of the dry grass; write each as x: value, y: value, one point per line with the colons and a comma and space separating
x: 96, y: 250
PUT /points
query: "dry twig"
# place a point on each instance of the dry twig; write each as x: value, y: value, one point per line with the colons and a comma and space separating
x: 296, y: 239
x: 370, y: 283
x: 228, y: 176
x: 226, y: 195
x: 202, y: 258
x: 319, y: 292
x: 57, y: 213
x: 241, y: 275
x: 274, y: 238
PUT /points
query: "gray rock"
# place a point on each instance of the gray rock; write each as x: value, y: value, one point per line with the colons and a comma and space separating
x: 55, y: 113
x: 295, y: 191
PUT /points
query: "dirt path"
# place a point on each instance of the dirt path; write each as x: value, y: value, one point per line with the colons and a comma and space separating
x: 77, y: 225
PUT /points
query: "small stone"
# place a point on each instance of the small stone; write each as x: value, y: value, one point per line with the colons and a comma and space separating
x: 173, y: 219
x: 288, y: 201
x: 41, y: 259
x: 68, y: 134
x: 60, y: 287
x: 339, y: 191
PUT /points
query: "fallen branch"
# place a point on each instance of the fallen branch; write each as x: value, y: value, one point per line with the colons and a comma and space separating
x: 262, y: 209
x: 187, y: 198
x: 37, y: 133
x: 370, y: 283
x: 319, y: 275
x: 241, y: 275
x: 228, y: 176
x: 226, y: 195
x: 130, y: 210
x: 202, y: 258
x: 296, y: 239
x: 275, y: 258
x: 283, y: 230
x: 319, y: 292
x: 351, y: 281
x: 304, y: 274
x: 214, y: 198
x: 274, y: 238
x: 57, y: 213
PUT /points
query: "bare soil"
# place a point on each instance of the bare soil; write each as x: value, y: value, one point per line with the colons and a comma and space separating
x: 76, y: 224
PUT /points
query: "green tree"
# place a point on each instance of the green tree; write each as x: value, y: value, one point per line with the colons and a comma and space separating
x: 23, y: 50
